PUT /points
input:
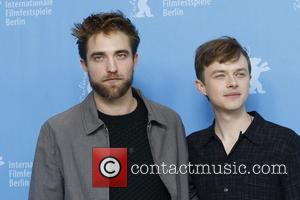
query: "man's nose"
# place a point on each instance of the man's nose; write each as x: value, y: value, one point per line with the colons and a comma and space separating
x: 231, y: 82
x: 111, y: 65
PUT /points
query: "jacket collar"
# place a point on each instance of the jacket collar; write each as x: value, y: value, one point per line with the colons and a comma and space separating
x: 155, y: 114
x: 92, y: 122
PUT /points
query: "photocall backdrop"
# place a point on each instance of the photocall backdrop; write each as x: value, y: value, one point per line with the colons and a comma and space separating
x: 41, y: 75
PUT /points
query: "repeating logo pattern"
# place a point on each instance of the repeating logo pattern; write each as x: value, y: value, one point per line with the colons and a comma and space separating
x: 85, y: 87
x: 19, y: 12
x: 141, y: 9
x: 1, y: 161
x: 296, y: 4
x: 257, y: 68
x: 170, y: 8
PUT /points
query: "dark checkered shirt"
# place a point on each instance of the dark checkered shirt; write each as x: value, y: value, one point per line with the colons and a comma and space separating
x: 264, y: 164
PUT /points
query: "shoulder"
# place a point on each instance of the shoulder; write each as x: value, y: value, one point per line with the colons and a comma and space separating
x: 162, y: 112
x: 157, y: 109
x: 62, y: 121
x: 162, y: 108
x: 199, y: 138
x: 278, y: 131
x: 284, y: 138
x: 70, y: 115
x: 57, y: 128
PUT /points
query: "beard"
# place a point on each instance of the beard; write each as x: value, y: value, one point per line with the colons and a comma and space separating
x: 111, y: 92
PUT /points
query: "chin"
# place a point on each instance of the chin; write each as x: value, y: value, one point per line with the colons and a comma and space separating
x: 233, y: 107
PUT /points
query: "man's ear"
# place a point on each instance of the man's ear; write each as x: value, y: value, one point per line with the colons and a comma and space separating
x: 201, y: 87
x: 84, y: 65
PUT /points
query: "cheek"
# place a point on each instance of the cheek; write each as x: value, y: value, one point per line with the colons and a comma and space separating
x: 96, y: 73
x: 215, y: 87
x: 245, y: 89
x: 246, y: 84
x: 214, y: 92
x: 96, y: 68
x: 126, y: 67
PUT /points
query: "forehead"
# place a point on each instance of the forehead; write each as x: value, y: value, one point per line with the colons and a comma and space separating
x: 239, y: 64
x: 110, y: 42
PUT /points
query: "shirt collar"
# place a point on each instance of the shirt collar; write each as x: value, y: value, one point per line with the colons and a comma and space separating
x: 253, y: 133
x: 92, y: 122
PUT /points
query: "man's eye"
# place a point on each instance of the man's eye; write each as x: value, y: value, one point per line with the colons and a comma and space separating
x: 219, y: 76
x: 121, y: 56
x: 99, y: 58
x: 241, y: 74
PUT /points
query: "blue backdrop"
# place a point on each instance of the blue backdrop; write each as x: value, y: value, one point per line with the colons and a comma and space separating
x: 41, y: 76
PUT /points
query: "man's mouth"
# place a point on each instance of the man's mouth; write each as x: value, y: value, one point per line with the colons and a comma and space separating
x: 232, y: 94
x: 112, y: 79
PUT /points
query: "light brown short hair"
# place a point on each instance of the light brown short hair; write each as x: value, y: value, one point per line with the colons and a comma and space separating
x: 222, y: 50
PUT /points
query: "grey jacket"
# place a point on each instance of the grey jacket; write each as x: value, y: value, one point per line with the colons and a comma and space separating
x: 62, y: 166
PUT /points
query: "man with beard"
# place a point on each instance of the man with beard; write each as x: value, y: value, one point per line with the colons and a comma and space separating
x: 113, y: 115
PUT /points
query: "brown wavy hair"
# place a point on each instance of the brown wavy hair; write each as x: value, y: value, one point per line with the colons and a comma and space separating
x: 104, y: 23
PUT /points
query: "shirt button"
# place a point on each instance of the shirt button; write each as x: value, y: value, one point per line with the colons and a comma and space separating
x: 226, y: 189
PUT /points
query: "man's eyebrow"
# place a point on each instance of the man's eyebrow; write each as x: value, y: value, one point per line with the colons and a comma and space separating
x: 122, y: 51
x: 223, y: 71
x: 217, y: 71
x: 241, y: 69
x: 98, y: 53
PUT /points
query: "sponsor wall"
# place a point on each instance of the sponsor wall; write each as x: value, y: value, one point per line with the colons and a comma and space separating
x: 41, y: 76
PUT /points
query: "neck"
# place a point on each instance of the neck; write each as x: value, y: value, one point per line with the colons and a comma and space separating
x: 121, y: 106
x: 228, y: 125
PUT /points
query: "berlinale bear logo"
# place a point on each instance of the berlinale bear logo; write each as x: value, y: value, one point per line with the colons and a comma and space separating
x: 296, y: 4
x: 257, y: 67
x: 141, y: 8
